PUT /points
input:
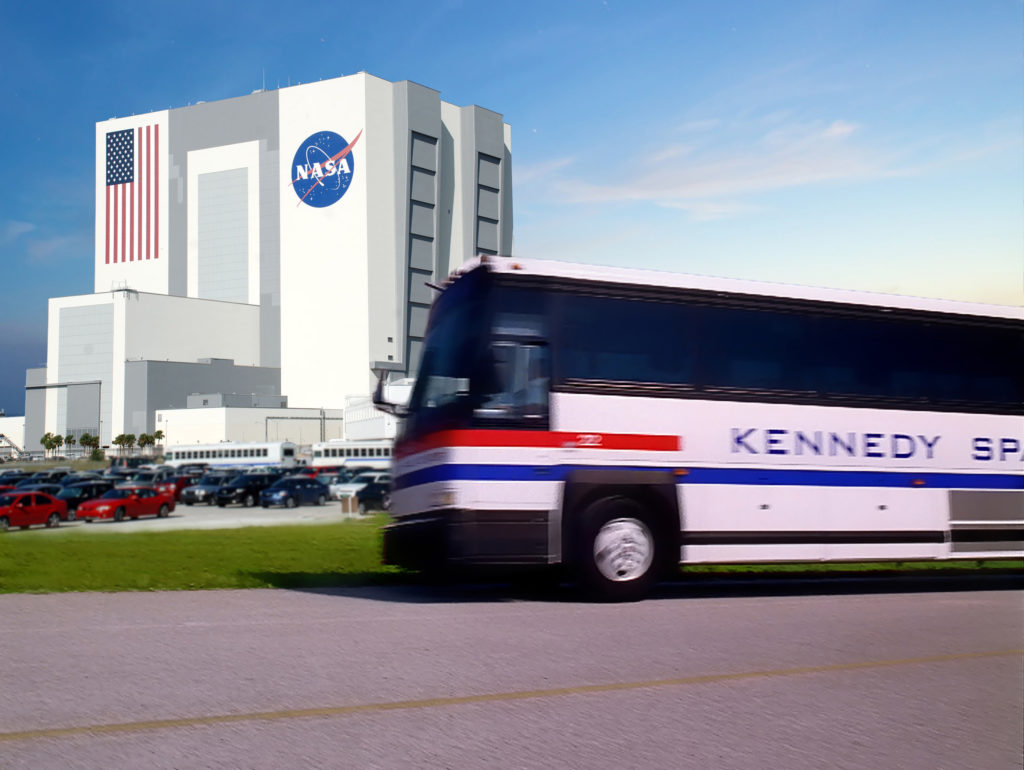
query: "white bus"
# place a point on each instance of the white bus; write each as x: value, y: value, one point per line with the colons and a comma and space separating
x: 233, y: 454
x: 353, y: 453
x: 622, y: 421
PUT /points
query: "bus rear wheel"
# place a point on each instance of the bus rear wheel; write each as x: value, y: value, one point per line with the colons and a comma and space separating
x: 617, y: 551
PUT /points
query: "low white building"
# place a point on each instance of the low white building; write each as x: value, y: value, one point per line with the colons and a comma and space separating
x: 208, y: 425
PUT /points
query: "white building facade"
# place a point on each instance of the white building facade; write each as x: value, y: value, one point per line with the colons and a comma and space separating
x: 295, y: 231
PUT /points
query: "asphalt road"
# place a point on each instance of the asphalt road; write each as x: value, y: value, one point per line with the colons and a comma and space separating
x: 483, y: 676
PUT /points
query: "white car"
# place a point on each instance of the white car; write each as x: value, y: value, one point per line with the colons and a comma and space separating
x: 340, y: 489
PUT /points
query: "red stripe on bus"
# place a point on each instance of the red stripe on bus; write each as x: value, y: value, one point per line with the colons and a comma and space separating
x: 636, y: 442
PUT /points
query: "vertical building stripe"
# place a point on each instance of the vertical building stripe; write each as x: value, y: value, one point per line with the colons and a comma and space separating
x: 156, y: 191
x: 149, y: 199
x: 108, y: 224
x: 124, y: 228
x: 138, y: 205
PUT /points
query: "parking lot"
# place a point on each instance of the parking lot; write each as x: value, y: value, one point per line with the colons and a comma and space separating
x: 212, y: 517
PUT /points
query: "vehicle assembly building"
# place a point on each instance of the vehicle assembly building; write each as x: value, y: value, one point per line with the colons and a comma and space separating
x: 273, y: 247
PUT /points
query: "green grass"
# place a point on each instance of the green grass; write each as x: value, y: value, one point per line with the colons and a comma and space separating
x: 45, y: 465
x: 345, y: 553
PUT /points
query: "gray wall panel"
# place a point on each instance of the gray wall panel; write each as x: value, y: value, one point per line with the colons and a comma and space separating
x: 223, y: 235
x: 489, y: 171
x: 421, y: 220
x: 152, y: 385
x: 424, y: 152
x: 421, y: 253
x: 215, y: 124
x: 487, y: 235
x: 419, y: 292
x: 423, y: 186
x: 86, y: 353
x: 488, y: 204
x: 417, y: 320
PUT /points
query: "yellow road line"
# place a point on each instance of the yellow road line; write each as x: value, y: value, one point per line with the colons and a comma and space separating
x: 366, y: 708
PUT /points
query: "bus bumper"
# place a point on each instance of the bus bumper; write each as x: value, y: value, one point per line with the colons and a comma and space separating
x: 466, y: 537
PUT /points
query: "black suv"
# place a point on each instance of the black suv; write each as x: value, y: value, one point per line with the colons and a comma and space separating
x: 205, y: 490
x: 79, y: 492
x: 245, y: 489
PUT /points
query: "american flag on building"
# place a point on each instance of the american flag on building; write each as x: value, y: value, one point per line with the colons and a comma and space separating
x: 133, y: 194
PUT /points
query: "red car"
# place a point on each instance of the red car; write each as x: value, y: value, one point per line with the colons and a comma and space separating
x: 127, y: 502
x: 23, y: 509
x: 175, y: 484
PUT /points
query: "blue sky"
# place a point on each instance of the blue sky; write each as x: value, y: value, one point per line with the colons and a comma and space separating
x: 860, y: 144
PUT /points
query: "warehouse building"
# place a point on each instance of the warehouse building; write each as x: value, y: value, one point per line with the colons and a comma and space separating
x: 281, y: 244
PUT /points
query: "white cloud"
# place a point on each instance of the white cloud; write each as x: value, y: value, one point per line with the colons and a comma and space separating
x: 58, y: 247
x: 840, y: 128
x: 12, y: 230
x: 697, y: 180
x: 542, y: 170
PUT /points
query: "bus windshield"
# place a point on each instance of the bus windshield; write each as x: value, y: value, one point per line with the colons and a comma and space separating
x: 485, y: 359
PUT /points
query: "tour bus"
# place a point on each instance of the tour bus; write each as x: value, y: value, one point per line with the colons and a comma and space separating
x: 621, y: 421
x: 353, y: 453
x: 233, y: 454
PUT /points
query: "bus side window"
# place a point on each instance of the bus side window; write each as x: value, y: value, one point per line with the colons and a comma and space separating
x: 519, y: 381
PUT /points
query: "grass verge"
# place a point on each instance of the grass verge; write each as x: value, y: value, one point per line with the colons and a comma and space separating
x: 307, y: 556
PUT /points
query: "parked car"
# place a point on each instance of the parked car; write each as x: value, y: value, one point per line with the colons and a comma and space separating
x: 352, y: 487
x: 245, y: 489
x: 23, y: 509
x: 147, y: 476
x: 294, y: 490
x: 176, y: 484
x: 334, y: 480
x: 75, y: 494
x: 51, y: 476
x: 205, y: 490
x: 49, y: 488
x: 13, y: 476
x: 74, y: 478
x: 29, y: 481
x: 375, y: 496
x: 120, y: 503
x: 192, y: 469
x: 127, y: 462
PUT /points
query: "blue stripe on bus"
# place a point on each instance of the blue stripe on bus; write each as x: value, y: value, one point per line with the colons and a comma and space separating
x: 744, y: 476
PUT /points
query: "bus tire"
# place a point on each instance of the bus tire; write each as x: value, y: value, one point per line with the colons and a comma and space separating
x: 618, y: 552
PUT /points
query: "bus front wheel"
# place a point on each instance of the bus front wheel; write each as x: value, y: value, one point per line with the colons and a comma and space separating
x: 617, y: 550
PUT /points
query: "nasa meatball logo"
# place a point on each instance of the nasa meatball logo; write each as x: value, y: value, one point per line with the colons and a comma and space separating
x: 323, y: 168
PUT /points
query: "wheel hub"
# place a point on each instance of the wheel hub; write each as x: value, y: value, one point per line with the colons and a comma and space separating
x: 623, y: 550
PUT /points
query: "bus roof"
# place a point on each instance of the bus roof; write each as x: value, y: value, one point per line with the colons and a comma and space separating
x: 638, y: 277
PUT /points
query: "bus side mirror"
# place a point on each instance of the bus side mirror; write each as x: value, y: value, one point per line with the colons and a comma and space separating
x: 398, y: 410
